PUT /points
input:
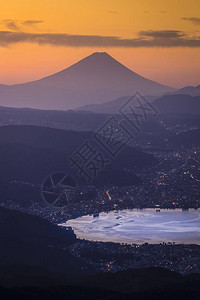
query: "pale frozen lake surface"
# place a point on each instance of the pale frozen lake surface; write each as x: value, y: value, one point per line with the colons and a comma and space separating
x: 140, y: 226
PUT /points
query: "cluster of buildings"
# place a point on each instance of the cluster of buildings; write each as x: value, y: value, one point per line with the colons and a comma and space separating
x: 113, y: 257
x: 173, y: 183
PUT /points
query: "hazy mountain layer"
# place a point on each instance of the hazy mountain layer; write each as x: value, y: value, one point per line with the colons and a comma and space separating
x: 175, y: 103
x: 95, y: 79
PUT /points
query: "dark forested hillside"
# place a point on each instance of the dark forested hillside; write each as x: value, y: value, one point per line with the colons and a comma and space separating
x: 32, y: 241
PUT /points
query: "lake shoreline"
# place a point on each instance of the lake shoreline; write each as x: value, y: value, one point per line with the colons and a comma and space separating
x: 139, y: 226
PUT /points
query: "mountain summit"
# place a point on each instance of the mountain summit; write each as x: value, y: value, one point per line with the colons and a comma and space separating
x: 96, y: 79
x: 100, y: 71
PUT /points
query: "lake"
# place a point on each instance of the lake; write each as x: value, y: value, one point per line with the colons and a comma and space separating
x: 140, y: 226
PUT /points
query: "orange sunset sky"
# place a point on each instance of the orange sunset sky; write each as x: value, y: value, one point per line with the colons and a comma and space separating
x: 159, y: 39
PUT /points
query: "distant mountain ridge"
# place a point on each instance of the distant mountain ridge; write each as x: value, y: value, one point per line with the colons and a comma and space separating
x: 181, y: 104
x: 95, y: 79
x: 68, y: 120
x: 189, y: 90
x: 175, y: 103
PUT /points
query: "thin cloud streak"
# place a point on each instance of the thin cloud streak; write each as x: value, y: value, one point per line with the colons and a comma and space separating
x: 11, y: 24
x: 163, y: 39
x: 32, y: 22
x: 195, y: 21
x: 16, y: 25
x: 167, y: 34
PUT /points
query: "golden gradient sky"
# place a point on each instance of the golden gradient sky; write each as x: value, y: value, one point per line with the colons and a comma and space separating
x: 28, y: 59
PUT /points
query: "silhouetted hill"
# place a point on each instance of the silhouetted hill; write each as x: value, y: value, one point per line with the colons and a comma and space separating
x: 32, y: 165
x: 39, y: 150
x: 28, y: 163
x: 189, y: 90
x: 15, y: 225
x: 69, y: 120
x: 145, y: 284
x: 95, y: 79
x: 133, y: 280
x: 31, y: 241
x: 28, y: 154
x: 110, y: 107
x: 43, y: 137
x: 59, y: 293
x: 178, y: 104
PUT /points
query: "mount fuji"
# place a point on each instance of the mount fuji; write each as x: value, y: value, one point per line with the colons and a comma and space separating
x: 95, y: 79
